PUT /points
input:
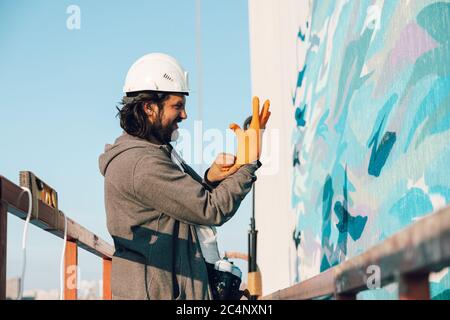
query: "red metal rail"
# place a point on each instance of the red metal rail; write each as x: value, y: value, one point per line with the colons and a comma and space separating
x: 13, y: 200
x: 408, y: 257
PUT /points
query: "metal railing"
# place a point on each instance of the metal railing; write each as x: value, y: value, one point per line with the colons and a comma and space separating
x: 13, y: 201
x: 408, y: 257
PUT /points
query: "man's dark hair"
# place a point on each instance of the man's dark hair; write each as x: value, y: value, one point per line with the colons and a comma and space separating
x: 133, y: 118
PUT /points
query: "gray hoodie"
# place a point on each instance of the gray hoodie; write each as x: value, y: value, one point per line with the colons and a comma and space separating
x: 152, y: 207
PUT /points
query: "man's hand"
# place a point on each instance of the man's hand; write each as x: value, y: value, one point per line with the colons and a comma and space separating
x: 221, y: 168
x: 249, y: 141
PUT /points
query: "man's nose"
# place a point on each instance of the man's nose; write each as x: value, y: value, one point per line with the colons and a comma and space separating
x: 183, y: 114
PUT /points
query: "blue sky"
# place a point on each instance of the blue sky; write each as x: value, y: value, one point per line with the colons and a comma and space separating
x: 59, y: 89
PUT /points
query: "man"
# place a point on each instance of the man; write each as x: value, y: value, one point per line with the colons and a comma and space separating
x: 155, y: 205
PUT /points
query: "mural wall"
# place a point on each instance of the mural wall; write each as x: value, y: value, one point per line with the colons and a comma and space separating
x: 371, y: 141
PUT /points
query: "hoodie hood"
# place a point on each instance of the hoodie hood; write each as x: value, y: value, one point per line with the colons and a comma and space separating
x: 123, y: 143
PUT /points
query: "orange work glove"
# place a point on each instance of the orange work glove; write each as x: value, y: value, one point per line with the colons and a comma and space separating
x: 249, y: 141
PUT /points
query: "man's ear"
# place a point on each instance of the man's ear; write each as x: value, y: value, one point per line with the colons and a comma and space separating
x: 149, y: 108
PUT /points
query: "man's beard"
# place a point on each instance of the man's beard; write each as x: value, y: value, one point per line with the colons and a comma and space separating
x: 164, y: 134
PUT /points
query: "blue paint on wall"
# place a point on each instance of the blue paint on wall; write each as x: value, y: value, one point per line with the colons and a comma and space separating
x: 353, y: 225
x: 380, y: 152
x: 412, y: 205
x: 301, y: 35
x: 300, y: 116
x: 347, y: 223
x: 441, y: 190
x: 375, y: 142
x: 322, y: 127
x: 300, y: 76
x: 382, y: 115
x: 350, y: 78
x: 326, y: 220
x: 431, y: 105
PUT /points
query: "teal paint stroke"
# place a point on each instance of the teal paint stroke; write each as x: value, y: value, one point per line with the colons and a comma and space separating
x: 321, y: 11
x: 296, y: 158
x: 300, y: 116
x: 441, y: 190
x: 435, y: 19
x: 295, y: 198
x: 434, y: 102
x: 354, y: 225
x: 378, y: 43
x: 350, y: 79
x: 301, y: 35
x: 300, y: 77
x: 437, y: 122
x: 322, y: 127
x: 436, y: 175
x: 347, y: 223
x: 382, y: 115
x: 341, y: 209
x: 327, y: 201
x: 380, y: 152
x: 440, y: 290
x: 415, y: 203
x: 444, y: 295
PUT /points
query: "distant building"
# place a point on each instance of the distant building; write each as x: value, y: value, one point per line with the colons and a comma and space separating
x: 87, y: 290
x: 12, y: 288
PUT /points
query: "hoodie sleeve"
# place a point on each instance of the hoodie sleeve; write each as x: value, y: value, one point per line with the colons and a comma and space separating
x: 209, y: 184
x: 161, y: 185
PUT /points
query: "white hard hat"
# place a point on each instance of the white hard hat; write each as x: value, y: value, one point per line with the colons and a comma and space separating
x: 157, y: 72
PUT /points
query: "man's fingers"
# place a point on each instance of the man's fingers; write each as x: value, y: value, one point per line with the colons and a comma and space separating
x: 233, y: 169
x: 235, y: 127
x: 265, y: 119
x: 227, y: 171
x: 265, y: 114
x: 225, y: 159
x: 255, y: 115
